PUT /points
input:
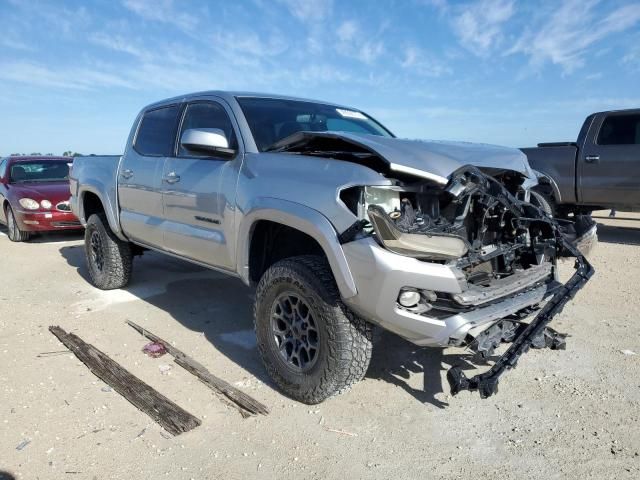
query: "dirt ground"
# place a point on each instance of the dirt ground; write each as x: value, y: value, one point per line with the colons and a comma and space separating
x: 559, y: 414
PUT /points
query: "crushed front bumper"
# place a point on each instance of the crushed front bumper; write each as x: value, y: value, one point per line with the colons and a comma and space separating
x: 487, y: 383
x: 380, y: 275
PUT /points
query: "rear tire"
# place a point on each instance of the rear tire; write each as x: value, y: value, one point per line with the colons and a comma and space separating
x: 311, y: 344
x: 13, y: 230
x: 109, y: 259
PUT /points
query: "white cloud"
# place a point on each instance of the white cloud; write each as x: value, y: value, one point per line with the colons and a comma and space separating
x: 479, y: 25
x: 15, y: 44
x: 164, y: 11
x: 415, y: 60
x: 309, y: 10
x: 119, y: 44
x: 632, y: 57
x: 564, y: 38
x: 347, y: 31
x: 249, y: 43
x: 69, y: 78
x: 354, y: 43
x: 440, y: 5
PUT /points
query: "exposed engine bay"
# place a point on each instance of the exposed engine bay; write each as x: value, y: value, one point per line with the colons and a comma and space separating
x: 481, y: 224
x: 478, y: 221
x: 503, y: 243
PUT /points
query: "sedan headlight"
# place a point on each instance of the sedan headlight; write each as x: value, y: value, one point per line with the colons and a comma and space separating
x: 46, y: 204
x: 29, y: 204
x: 431, y: 246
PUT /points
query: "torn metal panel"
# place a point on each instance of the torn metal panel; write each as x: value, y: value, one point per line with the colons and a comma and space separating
x: 429, y: 160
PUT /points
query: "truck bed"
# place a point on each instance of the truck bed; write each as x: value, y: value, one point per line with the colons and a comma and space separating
x: 557, y: 161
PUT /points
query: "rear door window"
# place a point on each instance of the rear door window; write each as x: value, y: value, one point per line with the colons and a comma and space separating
x: 620, y: 130
x: 3, y: 168
x: 157, y: 133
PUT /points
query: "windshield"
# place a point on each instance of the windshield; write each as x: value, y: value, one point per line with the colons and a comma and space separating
x: 271, y: 119
x: 47, y: 171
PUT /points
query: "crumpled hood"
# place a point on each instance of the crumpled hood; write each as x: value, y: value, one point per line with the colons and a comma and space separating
x: 436, y: 160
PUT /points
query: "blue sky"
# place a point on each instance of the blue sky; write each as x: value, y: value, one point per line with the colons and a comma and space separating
x: 73, y: 75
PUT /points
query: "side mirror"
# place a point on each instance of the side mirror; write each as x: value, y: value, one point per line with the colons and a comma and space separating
x: 210, y: 141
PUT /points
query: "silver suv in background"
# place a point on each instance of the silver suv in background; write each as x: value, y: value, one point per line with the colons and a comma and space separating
x: 339, y: 225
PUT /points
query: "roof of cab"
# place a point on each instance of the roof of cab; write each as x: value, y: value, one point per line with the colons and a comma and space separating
x: 230, y: 96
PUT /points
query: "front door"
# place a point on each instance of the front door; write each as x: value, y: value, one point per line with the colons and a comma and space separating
x: 140, y: 176
x: 199, y: 190
x: 609, y: 167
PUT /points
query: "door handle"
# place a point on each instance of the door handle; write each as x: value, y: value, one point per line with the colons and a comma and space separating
x: 172, y: 178
x: 126, y: 173
x: 592, y: 158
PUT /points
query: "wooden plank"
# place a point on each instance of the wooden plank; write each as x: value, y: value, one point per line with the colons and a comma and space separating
x: 241, y: 401
x: 170, y: 416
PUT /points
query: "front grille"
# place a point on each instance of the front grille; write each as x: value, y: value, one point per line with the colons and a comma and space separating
x: 63, y: 207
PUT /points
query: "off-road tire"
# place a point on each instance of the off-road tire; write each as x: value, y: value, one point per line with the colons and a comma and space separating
x: 344, y: 339
x: 116, y: 260
x: 13, y: 230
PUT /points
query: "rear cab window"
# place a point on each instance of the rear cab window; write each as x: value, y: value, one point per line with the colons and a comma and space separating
x: 157, y: 132
x: 620, y: 130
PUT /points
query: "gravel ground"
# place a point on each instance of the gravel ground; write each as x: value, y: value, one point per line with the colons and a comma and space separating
x: 559, y: 414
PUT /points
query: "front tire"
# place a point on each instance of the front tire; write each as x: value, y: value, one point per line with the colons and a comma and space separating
x: 13, y: 229
x: 109, y: 259
x: 311, y: 344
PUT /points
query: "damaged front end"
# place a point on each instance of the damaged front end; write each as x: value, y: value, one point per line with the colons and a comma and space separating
x: 505, y: 247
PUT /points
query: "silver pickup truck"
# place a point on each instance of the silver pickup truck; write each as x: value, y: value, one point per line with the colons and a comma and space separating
x: 339, y: 225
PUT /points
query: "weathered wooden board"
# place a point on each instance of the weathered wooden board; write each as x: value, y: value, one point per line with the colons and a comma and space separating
x: 169, y: 416
x: 243, y: 402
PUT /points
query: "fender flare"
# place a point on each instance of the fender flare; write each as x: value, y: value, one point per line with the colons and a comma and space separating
x: 547, y: 179
x: 110, y: 213
x: 302, y: 218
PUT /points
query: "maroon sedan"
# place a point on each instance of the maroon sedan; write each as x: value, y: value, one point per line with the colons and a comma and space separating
x: 34, y: 196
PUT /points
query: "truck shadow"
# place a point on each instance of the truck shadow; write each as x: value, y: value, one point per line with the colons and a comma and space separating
x: 399, y: 362
x: 618, y: 234
x: 220, y: 307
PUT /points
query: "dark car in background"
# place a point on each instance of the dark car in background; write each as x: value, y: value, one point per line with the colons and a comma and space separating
x: 600, y: 170
x: 34, y: 196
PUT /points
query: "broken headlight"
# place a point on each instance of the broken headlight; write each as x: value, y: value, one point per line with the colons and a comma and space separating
x: 429, y: 246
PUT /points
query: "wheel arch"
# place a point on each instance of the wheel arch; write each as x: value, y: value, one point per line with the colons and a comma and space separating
x: 90, y: 201
x: 547, y: 185
x: 309, y: 222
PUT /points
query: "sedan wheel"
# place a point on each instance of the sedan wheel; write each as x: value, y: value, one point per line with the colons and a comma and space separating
x: 15, y: 234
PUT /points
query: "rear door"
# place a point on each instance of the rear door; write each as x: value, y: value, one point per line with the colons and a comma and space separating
x: 199, y: 189
x: 609, y: 162
x: 140, y: 175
